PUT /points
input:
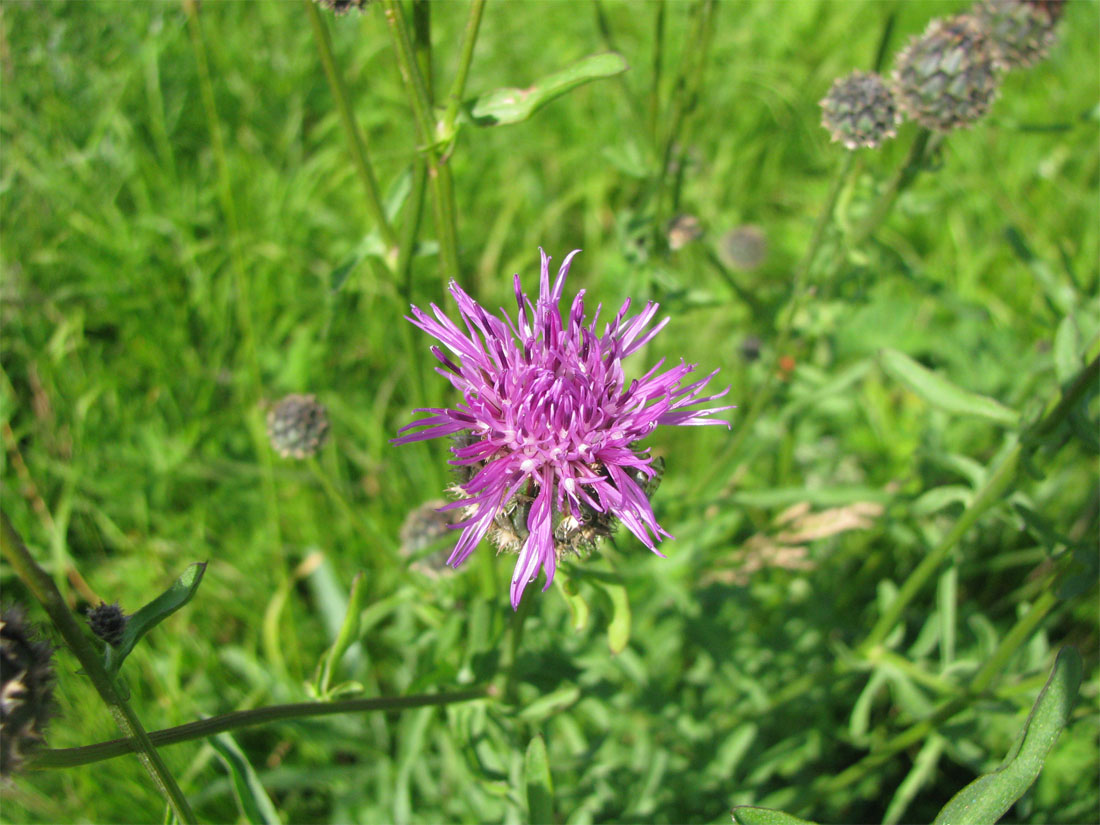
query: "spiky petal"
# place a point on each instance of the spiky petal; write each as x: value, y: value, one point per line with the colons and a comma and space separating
x: 547, y: 417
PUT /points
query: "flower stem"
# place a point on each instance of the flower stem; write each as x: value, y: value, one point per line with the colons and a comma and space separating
x: 798, y: 294
x: 39, y: 583
x: 438, y: 171
x: 458, y: 88
x: 71, y: 757
x: 356, y: 139
x: 519, y: 620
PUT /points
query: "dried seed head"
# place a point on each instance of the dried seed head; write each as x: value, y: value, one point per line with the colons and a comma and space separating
x: 744, y: 248
x: 947, y: 77
x: 341, y: 7
x: 26, y: 689
x: 859, y: 110
x: 297, y: 426
x: 1022, y: 33
x: 108, y: 622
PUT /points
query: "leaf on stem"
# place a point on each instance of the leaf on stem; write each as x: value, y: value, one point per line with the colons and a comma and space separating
x: 511, y: 105
x: 939, y: 392
x: 154, y: 613
x: 987, y: 798
x: 256, y: 805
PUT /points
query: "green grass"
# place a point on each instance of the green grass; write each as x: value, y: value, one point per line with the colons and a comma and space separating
x: 137, y: 359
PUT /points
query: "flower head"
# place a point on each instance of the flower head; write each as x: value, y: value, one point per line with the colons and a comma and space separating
x: 547, y: 430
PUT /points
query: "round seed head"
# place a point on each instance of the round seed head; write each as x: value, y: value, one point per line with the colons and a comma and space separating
x: 1051, y: 8
x: 108, y: 622
x: 744, y: 247
x: 947, y: 77
x: 26, y: 689
x: 342, y: 7
x: 1022, y: 33
x: 860, y: 110
x: 297, y: 426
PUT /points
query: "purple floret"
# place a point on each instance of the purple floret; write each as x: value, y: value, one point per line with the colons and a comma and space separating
x: 545, y: 413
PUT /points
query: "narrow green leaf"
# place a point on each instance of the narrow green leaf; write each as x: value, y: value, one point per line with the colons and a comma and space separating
x: 551, y: 704
x: 924, y: 767
x: 941, y: 393
x: 578, y: 607
x: 510, y: 105
x: 937, y: 498
x: 154, y: 613
x: 370, y: 246
x: 618, y: 629
x: 987, y: 798
x: 347, y: 636
x: 540, y: 788
x: 750, y: 815
x: 255, y: 804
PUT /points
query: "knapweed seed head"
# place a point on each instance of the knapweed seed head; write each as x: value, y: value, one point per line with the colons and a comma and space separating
x: 108, y: 622
x: 1022, y: 32
x: 546, y: 434
x: 860, y: 110
x: 947, y: 77
x: 297, y: 426
x: 26, y: 688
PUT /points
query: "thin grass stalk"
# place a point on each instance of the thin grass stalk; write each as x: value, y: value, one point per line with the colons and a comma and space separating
x: 438, y: 171
x: 519, y: 622
x: 87, y: 754
x: 657, y: 68
x: 356, y: 139
x: 42, y: 587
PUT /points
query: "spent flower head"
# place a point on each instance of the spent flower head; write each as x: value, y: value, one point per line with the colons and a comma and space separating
x: 546, y: 435
x: 26, y: 688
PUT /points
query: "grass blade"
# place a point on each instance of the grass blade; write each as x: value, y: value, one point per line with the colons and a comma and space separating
x: 939, y: 392
x: 254, y: 801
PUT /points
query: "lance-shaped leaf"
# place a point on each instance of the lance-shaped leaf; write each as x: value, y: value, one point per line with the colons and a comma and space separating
x: 510, y: 105
x: 750, y: 815
x: 540, y: 788
x: 256, y: 805
x: 939, y: 392
x: 154, y: 613
x: 987, y: 798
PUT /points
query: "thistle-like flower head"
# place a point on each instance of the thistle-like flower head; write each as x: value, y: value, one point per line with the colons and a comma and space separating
x: 860, y: 110
x: 548, y: 425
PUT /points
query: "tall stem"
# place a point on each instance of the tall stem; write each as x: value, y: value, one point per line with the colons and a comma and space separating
x: 71, y: 757
x: 466, y: 57
x: 42, y: 587
x: 356, y: 140
x: 439, y: 172
x: 519, y: 620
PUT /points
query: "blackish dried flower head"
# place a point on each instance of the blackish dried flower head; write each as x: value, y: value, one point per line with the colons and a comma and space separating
x: 108, y: 622
x: 297, y: 426
x: 548, y: 428
x: 859, y: 110
x: 1022, y: 33
x: 947, y: 77
x: 340, y: 7
x: 26, y: 689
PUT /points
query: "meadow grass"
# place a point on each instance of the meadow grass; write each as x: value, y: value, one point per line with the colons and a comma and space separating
x: 156, y: 300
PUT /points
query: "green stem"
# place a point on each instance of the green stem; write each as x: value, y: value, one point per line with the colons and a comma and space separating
x: 786, y: 327
x: 1004, y: 651
x: 42, y: 587
x: 458, y: 88
x: 657, y: 63
x: 438, y: 171
x: 371, y: 531
x: 519, y: 620
x: 355, y: 137
x: 1000, y: 479
x: 71, y: 757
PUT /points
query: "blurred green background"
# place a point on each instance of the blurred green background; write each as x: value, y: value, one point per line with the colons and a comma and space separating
x: 152, y: 308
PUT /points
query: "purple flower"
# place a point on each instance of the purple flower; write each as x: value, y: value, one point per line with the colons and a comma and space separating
x: 547, y: 427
